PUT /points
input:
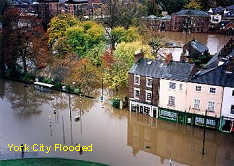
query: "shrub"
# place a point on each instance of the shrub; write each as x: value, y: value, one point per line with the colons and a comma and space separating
x: 77, y: 91
x: 57, y: 86
x: 115, y: 102
x: 45, y: 80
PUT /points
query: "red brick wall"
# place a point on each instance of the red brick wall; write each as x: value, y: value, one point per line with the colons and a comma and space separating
x: 142, y: 87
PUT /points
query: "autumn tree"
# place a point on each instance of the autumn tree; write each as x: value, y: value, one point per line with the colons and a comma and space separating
x: 193, y: 4
x: 119, y: 14
x: 58, y: 26
x: 83, y: 74
x: 117, y: 72
x: 25, y: 36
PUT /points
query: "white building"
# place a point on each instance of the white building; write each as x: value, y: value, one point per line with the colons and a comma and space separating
x: 227, y: 122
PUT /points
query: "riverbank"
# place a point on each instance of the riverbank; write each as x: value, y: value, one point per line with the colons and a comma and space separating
x: 48, y: 162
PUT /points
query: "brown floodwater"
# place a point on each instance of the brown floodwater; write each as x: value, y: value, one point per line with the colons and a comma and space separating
x: 118, y: 137
x: 214, y: 42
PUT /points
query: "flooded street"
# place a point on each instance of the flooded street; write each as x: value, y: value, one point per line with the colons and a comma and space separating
x: 214, y: 42
x: 117, y: 137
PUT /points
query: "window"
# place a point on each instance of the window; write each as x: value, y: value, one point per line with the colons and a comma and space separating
x: 198, y: 88
x: 196, y: 104
x: 181, y: 86
x: 232, y: 92
x: 171, y: 101
x: 148, y: 95
x: 136, y: 93
x: 232, y: 109
x: 149, y: 82
x: 212, y: 90
x: 137, y: 79
x: 172, y: 85
x: 211, y: 106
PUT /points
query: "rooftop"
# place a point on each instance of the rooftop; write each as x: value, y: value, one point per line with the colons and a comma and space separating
x: 192, y: 13
x: 215, y: 76
x: 159, y: 69
x: 197, y: 45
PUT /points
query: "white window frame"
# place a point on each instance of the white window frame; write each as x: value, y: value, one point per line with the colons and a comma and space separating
x: 138, y: 76
x: 212, y: 88
x: 172, y: 83
x: 135, y: 89
x: 146, y: 93
x: 196, y: 88
x: 232, y: 93
x: 211, y: 107
x: 147, y: 82
x: 169, y: 103
x: 196, y: 104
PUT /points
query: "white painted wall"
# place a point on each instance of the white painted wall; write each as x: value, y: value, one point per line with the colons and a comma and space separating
x: 204, y: 96
x: 228, y: 100
x: 180, y: 95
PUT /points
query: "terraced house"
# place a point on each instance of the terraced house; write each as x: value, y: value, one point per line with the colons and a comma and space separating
x: 175, y: 91
x: 147, y: 81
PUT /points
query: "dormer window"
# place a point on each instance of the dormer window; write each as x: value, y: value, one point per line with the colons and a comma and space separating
x: 148, y: 82
x: 136, y: 79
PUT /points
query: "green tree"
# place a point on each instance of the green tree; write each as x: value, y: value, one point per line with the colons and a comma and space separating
x: 193, y: 4
x: 58, y: 26
x: 119, y: 34
x: 85, y: 36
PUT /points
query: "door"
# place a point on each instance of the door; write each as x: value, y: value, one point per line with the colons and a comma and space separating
x: 180, y: 118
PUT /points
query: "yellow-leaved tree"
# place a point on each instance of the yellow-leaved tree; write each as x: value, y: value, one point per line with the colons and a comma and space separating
x: 123, y: 59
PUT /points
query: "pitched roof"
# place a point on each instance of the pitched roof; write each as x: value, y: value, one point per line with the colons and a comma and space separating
x: 192, y: 12
x: 158, y: 69
x: 197, y: 45
x: 215, y: 76
x: 230, y: 7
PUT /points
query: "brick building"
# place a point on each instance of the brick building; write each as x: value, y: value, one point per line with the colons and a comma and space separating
x: 144, y: 82
x: 190, y: 21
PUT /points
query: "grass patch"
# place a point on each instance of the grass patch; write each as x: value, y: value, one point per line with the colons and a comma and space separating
x: 47, y: 162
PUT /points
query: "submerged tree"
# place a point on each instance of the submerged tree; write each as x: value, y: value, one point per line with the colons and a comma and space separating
x: 25, y: 36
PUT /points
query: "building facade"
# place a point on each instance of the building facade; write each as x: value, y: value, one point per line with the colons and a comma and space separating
x: 144, y: 83
x: 190, y: 21
x: 227, y: 116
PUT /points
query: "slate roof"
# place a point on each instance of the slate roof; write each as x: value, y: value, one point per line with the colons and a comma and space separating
x: 158, y: 69
x: 215, y: 76
x: 192, y: 12
x: 213, y: 62
x: 230, y: 7
x: 197, y: 45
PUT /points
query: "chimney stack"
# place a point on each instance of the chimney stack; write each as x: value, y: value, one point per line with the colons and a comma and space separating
x: 138, y: 55
x: 229, y: 67
x: 169, y: 58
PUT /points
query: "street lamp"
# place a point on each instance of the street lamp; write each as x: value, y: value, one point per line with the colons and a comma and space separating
x: 204, y: 134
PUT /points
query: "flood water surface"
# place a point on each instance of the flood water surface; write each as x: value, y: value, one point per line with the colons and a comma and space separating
x: 117, y: 137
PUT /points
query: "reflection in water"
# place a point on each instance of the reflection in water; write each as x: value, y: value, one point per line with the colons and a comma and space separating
x: 118, y: 137
x: 22, y: 98
x: 180, y: 143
